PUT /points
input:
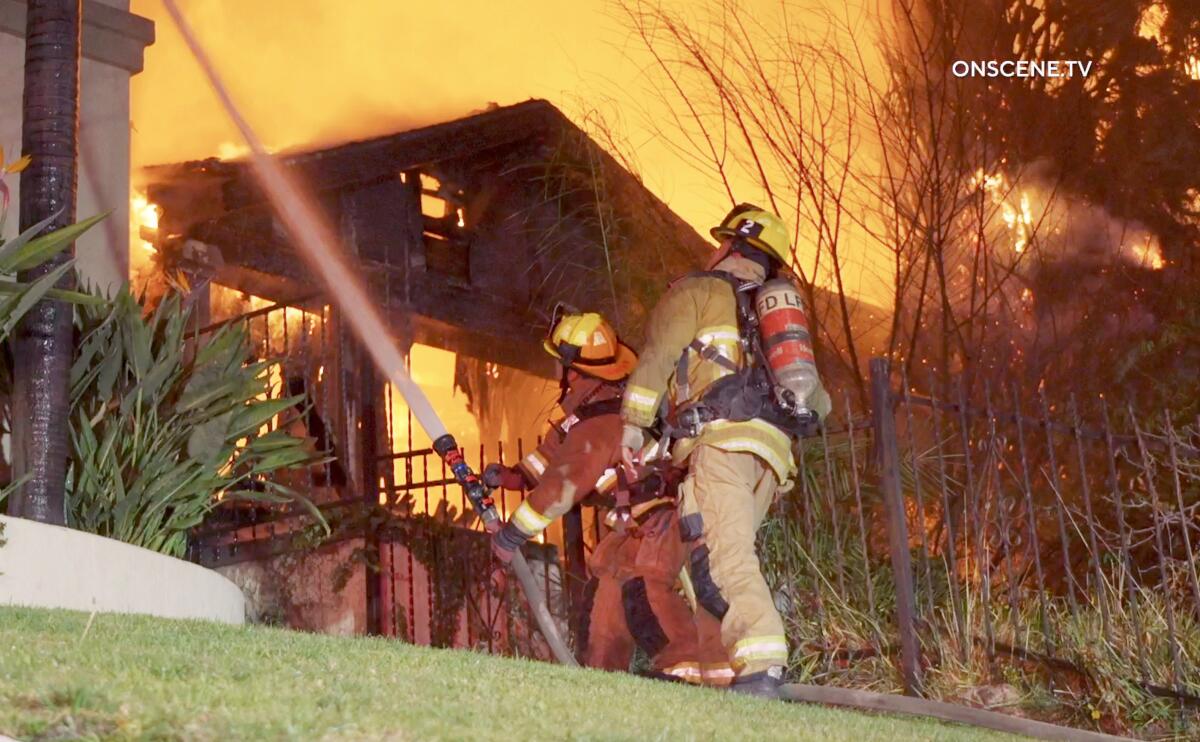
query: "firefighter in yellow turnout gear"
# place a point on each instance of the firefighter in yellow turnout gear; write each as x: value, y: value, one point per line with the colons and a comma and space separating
x: 630, y: 598
x: 737, y: 462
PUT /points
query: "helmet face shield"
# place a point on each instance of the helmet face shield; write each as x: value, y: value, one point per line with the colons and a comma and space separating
x: 561, y: 309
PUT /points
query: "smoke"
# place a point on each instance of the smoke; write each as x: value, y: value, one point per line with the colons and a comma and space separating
x: 306, y: 72
x: 1054, y: 226
x: 1083, y: 232
x: 1079, y: 281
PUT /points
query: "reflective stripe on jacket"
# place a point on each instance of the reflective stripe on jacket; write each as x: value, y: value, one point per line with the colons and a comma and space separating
x: 698, y: 308
x: 570, y: 465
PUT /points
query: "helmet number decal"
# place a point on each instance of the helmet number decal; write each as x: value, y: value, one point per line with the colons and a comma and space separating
x: 749, y: 228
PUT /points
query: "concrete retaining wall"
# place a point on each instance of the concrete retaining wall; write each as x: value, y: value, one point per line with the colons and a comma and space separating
x: 55, y: 567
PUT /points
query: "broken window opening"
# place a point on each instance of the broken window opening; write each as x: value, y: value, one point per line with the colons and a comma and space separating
x: 444, y: 228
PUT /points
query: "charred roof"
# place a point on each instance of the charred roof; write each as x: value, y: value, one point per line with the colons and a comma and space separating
x: 469, y: 231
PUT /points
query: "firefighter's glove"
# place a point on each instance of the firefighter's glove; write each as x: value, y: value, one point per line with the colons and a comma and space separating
x: 633, y: 437
x: 498, y: 476
x: 506, y: 541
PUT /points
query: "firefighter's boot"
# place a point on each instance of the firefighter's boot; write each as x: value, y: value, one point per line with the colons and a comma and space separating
x: 765, y: 684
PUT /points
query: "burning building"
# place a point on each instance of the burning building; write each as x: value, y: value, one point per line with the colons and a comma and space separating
x: 469, y: 232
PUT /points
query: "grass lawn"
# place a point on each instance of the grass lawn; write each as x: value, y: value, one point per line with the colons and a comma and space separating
x: 133, y: 677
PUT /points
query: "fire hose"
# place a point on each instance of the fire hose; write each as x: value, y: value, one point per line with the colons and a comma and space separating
x: 320, y: 249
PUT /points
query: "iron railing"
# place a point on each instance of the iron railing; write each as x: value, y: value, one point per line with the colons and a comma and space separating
x: 940, y: 532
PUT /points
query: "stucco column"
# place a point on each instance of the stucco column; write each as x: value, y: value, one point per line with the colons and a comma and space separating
x: 113, y: 43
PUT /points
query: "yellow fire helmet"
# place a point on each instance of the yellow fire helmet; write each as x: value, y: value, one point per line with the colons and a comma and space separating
x: 588, y: 344
x: 759, y: 228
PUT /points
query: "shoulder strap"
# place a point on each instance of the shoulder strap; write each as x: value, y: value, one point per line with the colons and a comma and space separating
x: 745, y: 308
x: 610, y: 406
x: 701, y: 274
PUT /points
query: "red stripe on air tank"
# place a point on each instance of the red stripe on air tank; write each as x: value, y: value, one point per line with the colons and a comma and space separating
x: 780, y: 319
x: 785, y: 355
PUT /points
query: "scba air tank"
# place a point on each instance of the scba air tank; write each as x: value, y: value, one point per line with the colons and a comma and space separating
x: 786, y: 343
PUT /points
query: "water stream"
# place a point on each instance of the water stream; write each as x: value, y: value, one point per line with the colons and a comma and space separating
x: 317, y: 245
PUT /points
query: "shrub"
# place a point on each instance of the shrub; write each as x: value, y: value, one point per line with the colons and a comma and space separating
x: 163, y: 427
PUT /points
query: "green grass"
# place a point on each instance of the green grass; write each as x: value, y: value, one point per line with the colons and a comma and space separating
x: 132, y: 677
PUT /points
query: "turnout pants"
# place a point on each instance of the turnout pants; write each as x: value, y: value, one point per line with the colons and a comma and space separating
x: 724, y: 500
x: 631, y: 600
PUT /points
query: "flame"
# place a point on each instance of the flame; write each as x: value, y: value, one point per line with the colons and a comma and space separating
x: 1150, y: 25
x: 994, y: 184
x: 232, y: 150
x: 143, y: 229
x: 1147, y: 254
x: 145, y: 217
x: 433, y: 370
x: 1018, y: 218
x: 309, y: 73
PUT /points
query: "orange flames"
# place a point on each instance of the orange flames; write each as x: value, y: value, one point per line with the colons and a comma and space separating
x: 1017, y: 217
x: 143, y: 231
x: 311, y: 73
x: 1018, y: 207
x: 1147, y: 254
x: 1151, y: 25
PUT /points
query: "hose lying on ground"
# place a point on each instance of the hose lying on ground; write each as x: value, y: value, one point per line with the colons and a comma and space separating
x: 867, y: 701
x: 317, y: 245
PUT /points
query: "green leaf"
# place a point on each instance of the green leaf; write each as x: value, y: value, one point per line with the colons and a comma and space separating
x: 111, y: 365
x: 146, y: 470
x: 280, y: 459
x: 39, y: 250
x: 254, y: 415
x: 9, y: 250
x: 74, y: 297
x: 273, y: 440
x: 207, y: 439
x: 32, y: 296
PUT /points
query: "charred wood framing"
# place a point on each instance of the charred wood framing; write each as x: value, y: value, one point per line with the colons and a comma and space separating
x: 468, y: 231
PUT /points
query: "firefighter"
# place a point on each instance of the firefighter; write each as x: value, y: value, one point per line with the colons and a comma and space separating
x: 630, y: 598
x: 737, y: 462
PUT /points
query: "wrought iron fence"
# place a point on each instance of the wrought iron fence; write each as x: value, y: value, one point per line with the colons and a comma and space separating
x: 957, y: 537
x: 424, y: 560
x: 300, y: 340
x: 436, y: 566
x: 939, y: 533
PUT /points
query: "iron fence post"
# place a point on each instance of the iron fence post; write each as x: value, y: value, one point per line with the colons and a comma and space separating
x: 888, y: 465
x: 574, y: 566
x: 365, y: 402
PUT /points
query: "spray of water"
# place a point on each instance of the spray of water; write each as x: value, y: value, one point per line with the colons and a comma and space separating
x: 321, y: 251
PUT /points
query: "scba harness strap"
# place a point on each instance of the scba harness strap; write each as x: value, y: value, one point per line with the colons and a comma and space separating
x: 745, y: 393
x: 588, y: 409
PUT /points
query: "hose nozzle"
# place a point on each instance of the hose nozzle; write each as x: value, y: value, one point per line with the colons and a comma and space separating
x: 479, y: 495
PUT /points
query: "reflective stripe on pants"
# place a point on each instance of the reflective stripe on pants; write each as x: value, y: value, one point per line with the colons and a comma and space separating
x: 732, y: 491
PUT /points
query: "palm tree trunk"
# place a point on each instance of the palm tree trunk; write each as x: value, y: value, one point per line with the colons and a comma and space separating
x: 43, y: 343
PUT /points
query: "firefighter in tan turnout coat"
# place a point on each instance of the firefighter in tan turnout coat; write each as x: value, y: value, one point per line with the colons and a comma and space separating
x: 630, y: 598
x: 736, y: 462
